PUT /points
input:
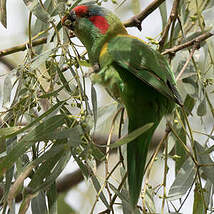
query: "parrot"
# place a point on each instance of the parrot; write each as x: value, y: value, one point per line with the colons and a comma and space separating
x: 132, y: 72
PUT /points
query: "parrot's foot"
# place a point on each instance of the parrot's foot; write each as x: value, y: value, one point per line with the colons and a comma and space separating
x: 96, y: 68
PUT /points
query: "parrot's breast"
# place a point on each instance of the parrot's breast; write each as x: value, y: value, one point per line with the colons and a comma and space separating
x: 111, y: 80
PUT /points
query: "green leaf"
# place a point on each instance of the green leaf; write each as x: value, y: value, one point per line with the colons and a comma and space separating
x: 38, y: 204
x: 51, y: 94
x: 35, y: 7
x: 49, y: 112
x: 132, y: 136
x: 3, y: 13
x: 81, y: 165
x: 198, y: 206
x: 183, y: 180
x: 163, y: 12
x: 205, y: 159
x: 123, y: 197
x: 97, y: 153
x: 7, y: 90
x: 9, y: 131
x: 149, y: 199
x: 94, y: 104
x: 52, y: 199
x: 208, y: 193
x: 49, y: 170
x: 64, y: 80
x: 202, y: 108
x: 97, y: 186
x: 179, y: 149
x: 208, y: 15
x: 40, y: 59
x: 30, y: 139
x: 189, y: 104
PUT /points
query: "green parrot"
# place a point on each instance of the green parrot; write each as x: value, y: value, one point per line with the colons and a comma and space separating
x: 132, y: 72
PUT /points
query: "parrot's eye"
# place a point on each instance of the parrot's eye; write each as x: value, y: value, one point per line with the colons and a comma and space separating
x: 72, y: 16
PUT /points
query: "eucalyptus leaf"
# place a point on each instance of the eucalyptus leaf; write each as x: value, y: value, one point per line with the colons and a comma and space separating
x: 94, y: 104
x: 43, y: 173
x: 208, y: 15
x: 49, y: 112
x: 35, y: 7
x: 163, y: 12
x: 149, y: 199
x: 205, y: 159
x: 52, y: 198
x: 7, y: 90
x: 208, y: 193
x: 97, y: 186
x: 183, y: 180
x: 198, y: 206
x: 63, y: 206
x: 133, y: 135
x: 202, y: 108
x: 29, y: 140
x: 9, y: 130
x: 39, y: 60
x: 123, y: 198
x: 38, y: 204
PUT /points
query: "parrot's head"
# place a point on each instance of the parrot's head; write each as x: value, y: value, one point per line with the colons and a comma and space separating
x: 93, y: 25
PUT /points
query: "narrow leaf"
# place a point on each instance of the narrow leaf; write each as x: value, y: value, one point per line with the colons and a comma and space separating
x: 198, y: 207
x: 183, y: 180
x: 46, y: 114
x: 30, y: 139
x: 202, y: 108
x: 122, y: 197
x: 52, y: 199
x: 9, y: 130
x: 98, y: 189
x: 132, y: 136
x: 163, y: 12
x: 94, y: 104
x: 35, y: 7
x: 38, y: 204
x: 205, y: 159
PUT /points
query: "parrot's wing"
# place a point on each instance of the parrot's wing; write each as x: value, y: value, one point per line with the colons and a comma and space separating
x: 145, y: 63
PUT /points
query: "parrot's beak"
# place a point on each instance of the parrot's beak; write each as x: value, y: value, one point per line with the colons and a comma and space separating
x: 69, y: 20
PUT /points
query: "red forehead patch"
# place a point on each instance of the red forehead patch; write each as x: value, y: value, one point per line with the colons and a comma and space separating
x: 100, y: 22
x: 80, y: 10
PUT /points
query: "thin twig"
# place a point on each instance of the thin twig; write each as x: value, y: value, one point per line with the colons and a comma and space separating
x: 108, y: 149
x: 137, y: 20
x: 164, y: 178
x: 190, y: 43
x: 115, y: 195
x: 195, y: 46
x: 22, y: 47
x: 172, y: 18
x: 151, y: 161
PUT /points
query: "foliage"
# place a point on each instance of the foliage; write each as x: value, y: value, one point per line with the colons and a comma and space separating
x: 48, y: 117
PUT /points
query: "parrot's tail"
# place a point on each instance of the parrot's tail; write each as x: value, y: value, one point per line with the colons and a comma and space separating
x: 136, y: 161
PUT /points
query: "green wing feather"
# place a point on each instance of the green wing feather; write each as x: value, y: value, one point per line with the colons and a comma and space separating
x: 145, y: 63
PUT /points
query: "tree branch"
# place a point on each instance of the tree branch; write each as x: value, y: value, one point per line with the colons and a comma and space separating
x: 22, y: 47
x: 177, y: 48
x: 172, y: 18
x: 137, y: 20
